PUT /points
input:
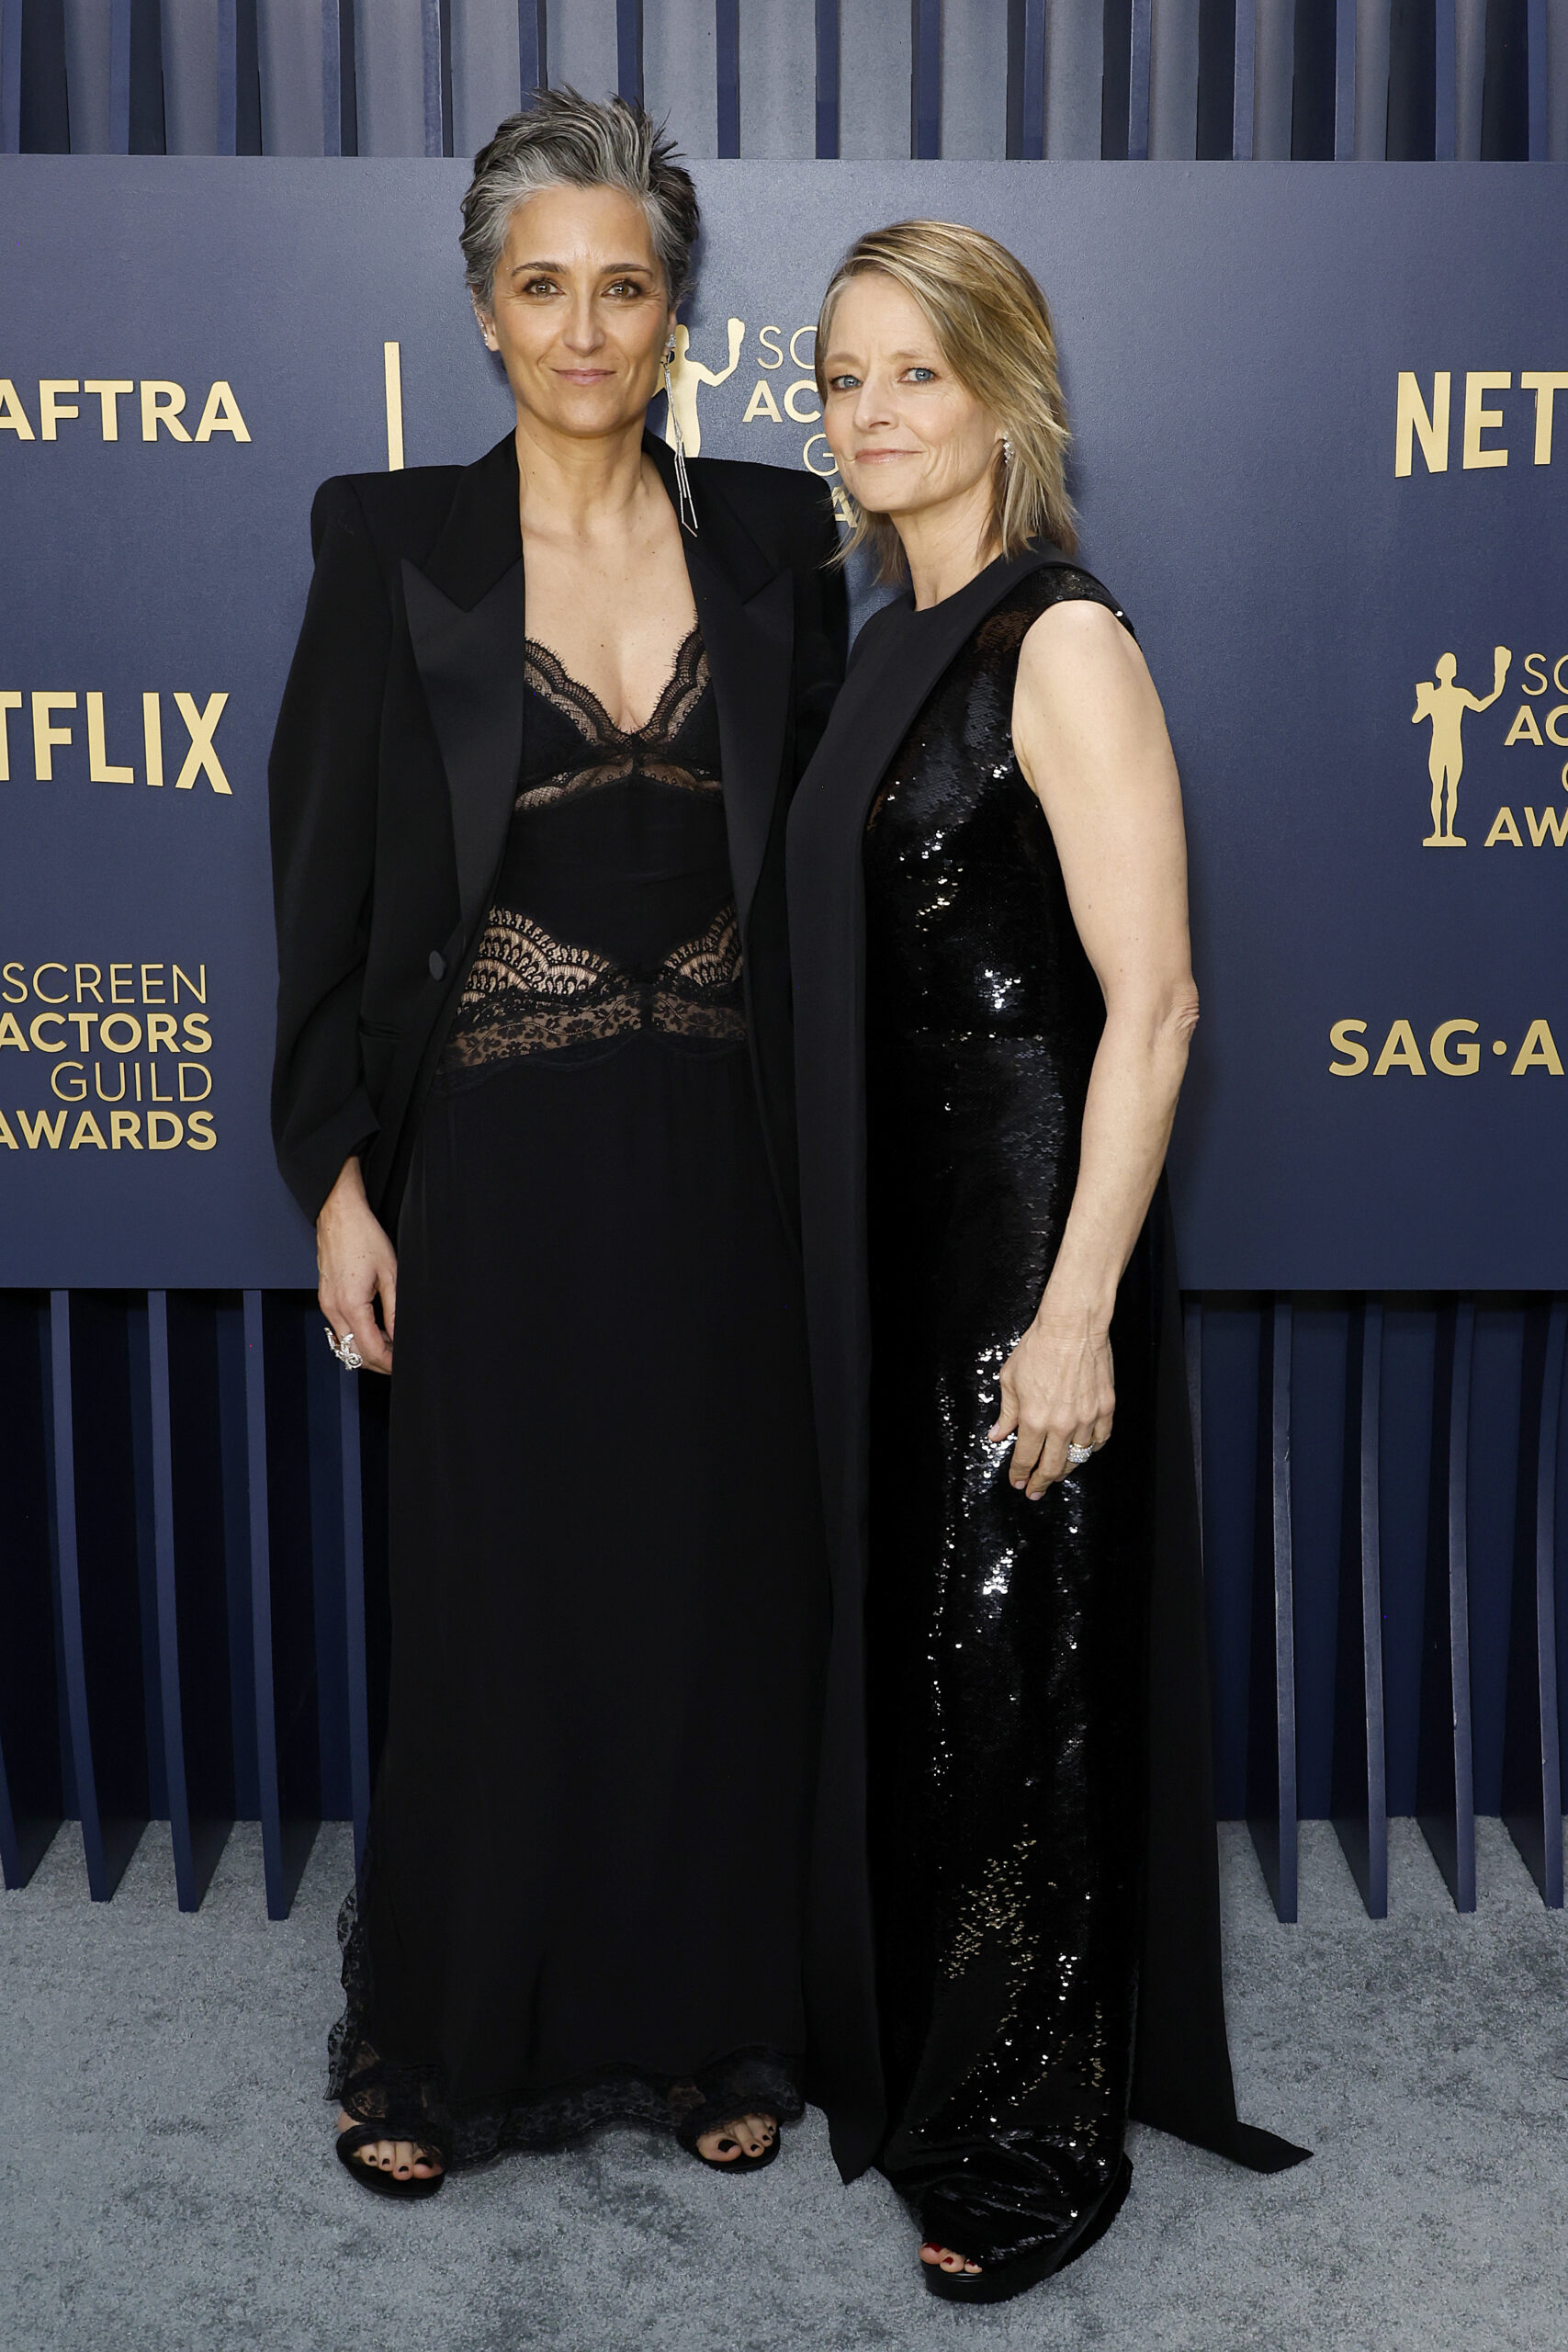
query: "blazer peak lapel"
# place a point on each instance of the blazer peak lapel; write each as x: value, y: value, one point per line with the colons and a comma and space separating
x: 471, y: 664
x: 750, y: 649
x: 746, y: 612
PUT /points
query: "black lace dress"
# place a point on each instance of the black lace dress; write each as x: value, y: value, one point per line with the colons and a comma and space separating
x: 584, y: 1884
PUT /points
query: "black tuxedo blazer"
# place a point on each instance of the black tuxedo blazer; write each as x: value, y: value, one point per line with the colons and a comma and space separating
x: 395, y: 763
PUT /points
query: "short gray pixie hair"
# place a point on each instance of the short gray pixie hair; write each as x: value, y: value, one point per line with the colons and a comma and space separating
x: 565, y: 140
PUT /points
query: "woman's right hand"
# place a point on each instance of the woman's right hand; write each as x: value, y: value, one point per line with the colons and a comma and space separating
x: 357, y: 1266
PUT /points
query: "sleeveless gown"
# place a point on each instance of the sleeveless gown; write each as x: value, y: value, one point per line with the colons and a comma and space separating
x: 1006, y: 1638
x: 586, y: 1874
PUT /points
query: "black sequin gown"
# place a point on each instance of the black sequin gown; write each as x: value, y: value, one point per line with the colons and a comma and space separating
x: 587, y: 1853
x: 1006, y: 1638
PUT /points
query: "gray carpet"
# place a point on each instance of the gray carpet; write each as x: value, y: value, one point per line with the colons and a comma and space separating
x: 168, y: 2180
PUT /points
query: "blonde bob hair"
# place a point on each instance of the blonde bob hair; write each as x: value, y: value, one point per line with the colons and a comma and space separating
x: 994, y: 330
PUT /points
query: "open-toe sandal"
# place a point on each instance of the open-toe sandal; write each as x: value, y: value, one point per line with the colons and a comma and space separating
x: 371, y: 2177
x: 699, y: 2121
x: 998, y: 2282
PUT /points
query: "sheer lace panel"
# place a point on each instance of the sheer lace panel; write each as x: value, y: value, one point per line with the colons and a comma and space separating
x: 530, y: 994
x: 413, y: 2102
x: 626, y: 750
x: 532, y: 989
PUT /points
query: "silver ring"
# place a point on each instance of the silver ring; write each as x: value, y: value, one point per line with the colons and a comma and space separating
x: 347, y: 1354
x: 1078, y: 1454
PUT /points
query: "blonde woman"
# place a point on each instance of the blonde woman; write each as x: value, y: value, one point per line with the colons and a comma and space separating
x: 994, y: 999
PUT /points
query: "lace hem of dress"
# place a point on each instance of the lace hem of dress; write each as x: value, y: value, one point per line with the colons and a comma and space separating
x: 411, y: 2101
x: 528, y: 993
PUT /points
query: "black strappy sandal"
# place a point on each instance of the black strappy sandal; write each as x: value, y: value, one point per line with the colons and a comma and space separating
x: 371, y: 2177
x: 998, y: 2282
x: 699, y: 2120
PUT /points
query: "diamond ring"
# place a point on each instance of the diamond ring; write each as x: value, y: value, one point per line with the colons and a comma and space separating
x: 347, y: 1354
x: 1078, y: 1454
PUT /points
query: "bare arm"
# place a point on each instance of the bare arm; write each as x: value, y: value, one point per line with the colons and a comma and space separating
x: 1091, y: 740
x: 356, y: 1265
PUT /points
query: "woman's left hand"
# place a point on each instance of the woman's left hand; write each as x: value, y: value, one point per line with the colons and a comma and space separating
x: 1057, y: 1390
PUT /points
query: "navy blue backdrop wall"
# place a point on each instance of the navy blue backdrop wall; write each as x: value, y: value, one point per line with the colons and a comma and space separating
x: 1319, y: 456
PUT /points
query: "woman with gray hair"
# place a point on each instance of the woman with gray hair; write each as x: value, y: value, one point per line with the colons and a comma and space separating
x: 528, y: 789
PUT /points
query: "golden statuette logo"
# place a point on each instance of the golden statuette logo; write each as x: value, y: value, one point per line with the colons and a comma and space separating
x: 1442, y: 705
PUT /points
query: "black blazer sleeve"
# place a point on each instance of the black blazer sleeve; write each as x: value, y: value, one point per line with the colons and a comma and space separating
x: 321, y: 781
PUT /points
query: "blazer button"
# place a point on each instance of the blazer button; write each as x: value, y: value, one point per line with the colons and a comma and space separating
x: 437, y: 965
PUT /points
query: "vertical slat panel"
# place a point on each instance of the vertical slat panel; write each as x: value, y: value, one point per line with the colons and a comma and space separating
x: 1470, y: 77
x: 119, y: 76
x: 10, y: 77
x: 1445, y: 1794
x: 628, y: 50
x: 67, y: 1567
x: 727, y: 75
x: 239, y: 79
x: 1360, y: 1783
x: 162, y: 1468
x: 925, y: 78
x: 1532, y: 1793
x: 32, y: 1792
x: 340, y: 109
x: 1244, y: 84
x: 1115, y: 79
x: 1274, y: 63
x: 1311, y: 83
x: 1372, y: 23
x: 1232, y: 1355
x: 1026, y: 80
x: 280, y: 1894
x: 139, y: 1494
x: 436, y: 41
x: 828, y: 68
x: 1074, y: 73
x: 1537, y: 40
x: 136, y: 78
x: 1319, y: 1349
x: 1271, y: 1745
x: 533, y: 47
x: 1176, y: 48
x: 44, y: 124
x: 1216, y: 80
x: 1499, y: 1408
x: 203, y: 1638
x: 1344, y: 80
x: 1445, y: 61
x: 1506, y: 84
x: 1412, y: 85
x: 224, y: 1454
x: 112, y: 1376
x: 1138, y: 71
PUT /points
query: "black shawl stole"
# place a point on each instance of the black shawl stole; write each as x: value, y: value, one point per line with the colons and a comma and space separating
x: 1182, y: 2075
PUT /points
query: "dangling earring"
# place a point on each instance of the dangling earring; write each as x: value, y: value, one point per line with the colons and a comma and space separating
x: 1007, y: 449
x: 682, y: 482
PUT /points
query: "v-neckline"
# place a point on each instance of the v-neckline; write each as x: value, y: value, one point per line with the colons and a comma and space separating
x: 575, y: 688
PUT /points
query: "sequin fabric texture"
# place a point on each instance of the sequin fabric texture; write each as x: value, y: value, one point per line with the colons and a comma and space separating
x: 1006, y: 1638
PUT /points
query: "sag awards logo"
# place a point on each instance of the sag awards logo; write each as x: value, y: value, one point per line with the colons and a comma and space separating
x: 1443, y: 705
x: 1452, y: 710
x: 777, y: 397
x: 114, y: 1053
